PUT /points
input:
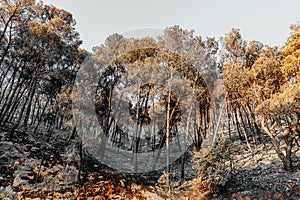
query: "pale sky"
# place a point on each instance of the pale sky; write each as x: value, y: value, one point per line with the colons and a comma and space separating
x: 267, y: 21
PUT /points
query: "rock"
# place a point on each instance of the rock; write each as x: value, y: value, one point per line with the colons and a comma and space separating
x: 21, y: 178
x: 34, y: 149
x: 24, y: 168
x: 9, y: 152
x: 37, y: 187
x: 8, y: 193
x: 56, y: 178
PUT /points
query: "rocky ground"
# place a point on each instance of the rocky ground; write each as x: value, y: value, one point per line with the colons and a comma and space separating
x: 260, y: 175
x: 47, y: 167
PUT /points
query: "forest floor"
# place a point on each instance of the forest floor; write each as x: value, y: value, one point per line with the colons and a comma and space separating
x: 42, y: 167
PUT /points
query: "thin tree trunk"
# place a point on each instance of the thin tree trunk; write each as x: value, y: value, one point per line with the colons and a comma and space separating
x: 79, y: 163
x: 237, y: 125
x: 276, y: 145
x: 9, y: 97
x: 28, y: 110
x: 136, y: 139
x: 41, y: 117
x: 13, y: 109
x: 35, y: 109
x: 245, y: 132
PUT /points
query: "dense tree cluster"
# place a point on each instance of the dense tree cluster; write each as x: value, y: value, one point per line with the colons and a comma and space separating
x: 262, y: 90
x: 149, y: 75
x: 39, y: 57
